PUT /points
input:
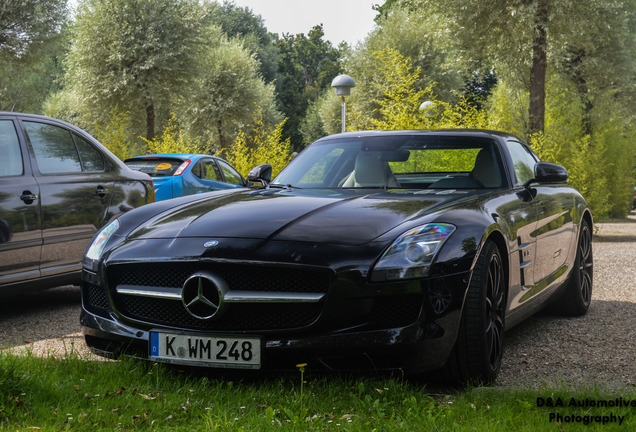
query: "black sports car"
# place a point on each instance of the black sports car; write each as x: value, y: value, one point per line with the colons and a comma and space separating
x: 379, y: 250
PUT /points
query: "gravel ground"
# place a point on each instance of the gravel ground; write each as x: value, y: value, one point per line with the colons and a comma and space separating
x: 597, y: 349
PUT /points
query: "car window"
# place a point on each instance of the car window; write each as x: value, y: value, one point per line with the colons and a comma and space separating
x: 231, y: 175
x: 407, y: 162
x: 54, y: 148
x: 207, y: 169
x: 92, y: 160
x: 10, y: 150
x: 523, y: 161
x: 155, y: 166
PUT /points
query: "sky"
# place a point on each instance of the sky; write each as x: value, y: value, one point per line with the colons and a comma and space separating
x: 343, y: 20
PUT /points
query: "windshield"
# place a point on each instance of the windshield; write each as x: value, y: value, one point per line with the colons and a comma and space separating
x: 399, y: 161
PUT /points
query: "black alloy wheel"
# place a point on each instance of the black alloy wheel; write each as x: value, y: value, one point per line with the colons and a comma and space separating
x: 478, y: 350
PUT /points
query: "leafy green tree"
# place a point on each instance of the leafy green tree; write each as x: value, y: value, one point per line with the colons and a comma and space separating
x: 414, y: 35
x: 25, y: 23
x: 135, y: 54
x: 222, y: 98
x: 32, y: 45
x: 523, y: 38
x: 308, y: 65
x: 241, y: 22
x: 26, y: 81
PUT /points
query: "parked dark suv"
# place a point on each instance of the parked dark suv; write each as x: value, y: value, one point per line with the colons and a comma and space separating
x: 58, y: 186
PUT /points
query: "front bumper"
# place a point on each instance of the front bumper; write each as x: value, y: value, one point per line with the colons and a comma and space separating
x: 351, y: 332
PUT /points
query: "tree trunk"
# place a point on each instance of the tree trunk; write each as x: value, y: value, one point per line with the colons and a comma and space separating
x: 539, y: 67
x: 576, y: 71
x: 222, y: 140
x: 150, y: 120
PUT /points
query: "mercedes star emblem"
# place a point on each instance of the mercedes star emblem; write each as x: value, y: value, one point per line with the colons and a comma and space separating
x: 202, y: 295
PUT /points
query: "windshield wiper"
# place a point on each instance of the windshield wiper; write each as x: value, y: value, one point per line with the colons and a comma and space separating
x: 283, y: 186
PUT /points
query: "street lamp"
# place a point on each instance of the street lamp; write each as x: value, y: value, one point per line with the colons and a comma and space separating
x: 343, y: 85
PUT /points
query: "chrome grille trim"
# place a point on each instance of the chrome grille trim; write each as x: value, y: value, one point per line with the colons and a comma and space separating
x: 153, y: 292
x: 231, y: 297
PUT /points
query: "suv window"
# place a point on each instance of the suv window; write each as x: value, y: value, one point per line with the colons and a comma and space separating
x: 54, y: 149
x: 92, y: 160
x: 523, y: 160
x: 10, y: 150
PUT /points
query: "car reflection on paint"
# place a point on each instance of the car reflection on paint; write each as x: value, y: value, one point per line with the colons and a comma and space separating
x: 410, y: 250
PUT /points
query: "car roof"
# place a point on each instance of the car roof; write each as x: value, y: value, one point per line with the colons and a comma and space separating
x: 174, y: 155
x: 423, y: 132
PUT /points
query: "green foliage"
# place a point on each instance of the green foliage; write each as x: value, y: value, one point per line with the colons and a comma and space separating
x: 174, y: 140
x: 138, y: 55
x: 221, y: 98
x: 263, y: 144
x: 399, y: 101
x: 114, y: 133
x: 26, y: 80
x: 240, y: 22
x: 28, y: 23
x: 307, y: 66
x: 415, y: 34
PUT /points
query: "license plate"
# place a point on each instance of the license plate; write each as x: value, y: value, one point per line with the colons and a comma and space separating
x: 215, y: 351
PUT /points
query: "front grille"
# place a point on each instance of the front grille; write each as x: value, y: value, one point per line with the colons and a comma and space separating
x: 239, y: 277
x: 94, y: 298
x: 237, y: 316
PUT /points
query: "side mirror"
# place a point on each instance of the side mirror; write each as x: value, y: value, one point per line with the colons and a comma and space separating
x: 546, y: 172
x: 260, y: 174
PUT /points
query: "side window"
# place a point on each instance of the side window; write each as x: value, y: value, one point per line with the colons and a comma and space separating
x: 11, y: 164
x: 206, y: 169
x: 54, y: 149
x: 92, y: 159
x: 523, y: 160
x: 231, y: 175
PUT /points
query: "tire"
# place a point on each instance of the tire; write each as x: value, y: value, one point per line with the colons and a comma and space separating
x: 478, y: 351
x: 577, y: 297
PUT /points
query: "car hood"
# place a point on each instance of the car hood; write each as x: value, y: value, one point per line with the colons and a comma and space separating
x: 347, y: 217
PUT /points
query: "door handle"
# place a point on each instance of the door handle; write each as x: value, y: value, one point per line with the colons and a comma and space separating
x: 28, y: 197
x: 101, y: 191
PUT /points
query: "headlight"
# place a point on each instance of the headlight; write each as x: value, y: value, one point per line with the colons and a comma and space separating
x: 94, y: 251
x: 410, y: 255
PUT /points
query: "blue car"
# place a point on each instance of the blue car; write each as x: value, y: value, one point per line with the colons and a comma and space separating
x: 176, y: 174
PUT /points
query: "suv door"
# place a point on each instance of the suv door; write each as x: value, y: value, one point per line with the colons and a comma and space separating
x: 75, y: 191
x: 20, y: 229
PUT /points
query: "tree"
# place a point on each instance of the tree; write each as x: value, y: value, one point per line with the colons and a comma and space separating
x: 27, y: 80
x: 413, y: 34
x: 25, y: 23
x: 308, y: 65
x: 136, y: 54
x: 32, y: 44
x: 241, y: 22
x: 223, y: 97
x: 524, y: 38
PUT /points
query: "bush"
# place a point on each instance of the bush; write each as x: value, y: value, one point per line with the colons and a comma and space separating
x: 263, y: 144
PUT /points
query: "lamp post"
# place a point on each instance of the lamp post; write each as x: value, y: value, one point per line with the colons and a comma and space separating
x: 343, y: 85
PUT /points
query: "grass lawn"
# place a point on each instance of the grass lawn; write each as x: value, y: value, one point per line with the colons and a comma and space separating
x: 52, y: 394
